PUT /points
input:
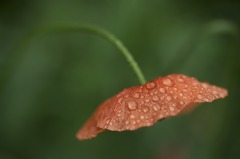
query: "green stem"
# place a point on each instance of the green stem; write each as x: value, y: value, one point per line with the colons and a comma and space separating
x: 91, y: 29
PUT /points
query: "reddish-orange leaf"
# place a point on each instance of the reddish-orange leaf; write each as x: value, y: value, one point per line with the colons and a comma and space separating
x: 142, y: 106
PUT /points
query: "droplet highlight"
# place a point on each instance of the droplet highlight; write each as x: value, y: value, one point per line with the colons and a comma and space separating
x: 199, y: 96
x: 151, y: 85
x: 162, y: 90
x: 108, y: 120
x: 180, y: 80
x: 168, y: 98
x: 172, y: 109
x: 167, y: 82
x: 155, y: 98
x: 132, y: 116
x: 132, y: 105
x: 136, y: 95
x: 156, y: 107
x: 145, y: 110
x: 120, y: 100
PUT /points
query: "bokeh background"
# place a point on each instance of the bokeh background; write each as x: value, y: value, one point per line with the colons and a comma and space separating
x: 51, y: 85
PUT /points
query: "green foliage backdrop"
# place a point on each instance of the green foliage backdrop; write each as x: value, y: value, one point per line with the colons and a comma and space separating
x: 50, y: 88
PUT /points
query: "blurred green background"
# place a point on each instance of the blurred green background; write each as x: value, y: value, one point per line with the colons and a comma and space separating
x: 49, y: 88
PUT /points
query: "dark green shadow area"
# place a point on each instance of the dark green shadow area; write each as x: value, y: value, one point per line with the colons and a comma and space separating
x: 56, y: 83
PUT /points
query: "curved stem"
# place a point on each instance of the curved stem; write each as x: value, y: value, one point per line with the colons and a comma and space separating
x: 91, y: 29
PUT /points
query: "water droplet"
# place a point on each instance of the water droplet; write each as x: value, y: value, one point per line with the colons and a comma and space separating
x: 204, y: 85
x: 149, y: 124
x: 182, y: 102
x: 151, y: 85
x: 132, y: 105
x: 145, y: 110
x: 147, y: 100
x: 214, y: 92
x: 206, y: 99
x: 127, y: 122
x: 155, y: 98
x: 162, y: 97
x: 172, y: 109
x: 111, y: 123
x: 119, y: 115
x: 199, y: 96
x: 160, y: 116
x: 162, y: 90
x: 222, y: 94
x: 134, y: 122
x: 156, y: 107
x: 184, y: 90
x: 142, y: 117
x: 180, y: 80
x: 136, y: 95
x: 180, y: 94
x: 120, y: 100
x: 132, y: 116
x: 194, y: 83
x: 167, y: 82
x: 108, y: 120
x: 174, y: 104
x: 168, y: 98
